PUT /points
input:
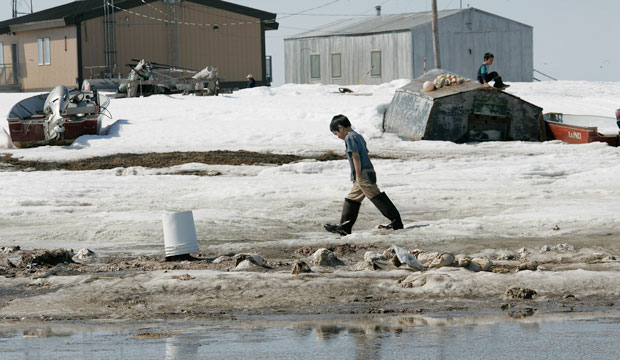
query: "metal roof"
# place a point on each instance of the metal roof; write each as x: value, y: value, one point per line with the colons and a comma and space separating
x: 77, y: 11
x: 376, y: 24
x: 385, y: 23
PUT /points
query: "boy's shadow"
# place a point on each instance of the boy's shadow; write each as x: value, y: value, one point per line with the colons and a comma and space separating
x: 417, y: 226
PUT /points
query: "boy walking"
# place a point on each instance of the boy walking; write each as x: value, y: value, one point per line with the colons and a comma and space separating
x: 364, y: 181
x: 484, y: 76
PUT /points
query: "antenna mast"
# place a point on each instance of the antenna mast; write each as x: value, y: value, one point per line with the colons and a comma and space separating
x: 15, y: 13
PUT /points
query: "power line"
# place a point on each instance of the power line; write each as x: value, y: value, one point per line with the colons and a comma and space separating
x: 349, y: 15
x: 446, y: 7
x: 183, y: 22
x: 197, y: 9
x: 314, y: 8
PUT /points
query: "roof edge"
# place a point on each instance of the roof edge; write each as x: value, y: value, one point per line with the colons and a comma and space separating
x: 499, y: 16
x: 446, y: 14
x: 76, y: 12
x: 37, y: 25
x: 351, y: 34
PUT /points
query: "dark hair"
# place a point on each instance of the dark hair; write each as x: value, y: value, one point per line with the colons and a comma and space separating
x: 487, y: 56
x: 339, y: 120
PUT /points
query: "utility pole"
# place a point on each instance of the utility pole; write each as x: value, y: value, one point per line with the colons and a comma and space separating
x: 436, y: 37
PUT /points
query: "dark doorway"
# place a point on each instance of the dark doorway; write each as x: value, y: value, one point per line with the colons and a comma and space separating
x: 488, y: 128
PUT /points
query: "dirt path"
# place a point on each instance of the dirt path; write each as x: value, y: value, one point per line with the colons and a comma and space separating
x: 163, y: 160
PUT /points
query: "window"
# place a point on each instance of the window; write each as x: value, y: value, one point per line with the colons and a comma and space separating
x: 1, y: 54
x: 43, y: 46
x: 375, y: 62
x: 40, y: 50
x: 46, y: 42
x: 336, y: 70
x: 315, y: 66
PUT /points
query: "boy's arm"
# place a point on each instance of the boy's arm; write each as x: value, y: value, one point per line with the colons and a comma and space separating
x: 483, y: 71
x: 357, y: 164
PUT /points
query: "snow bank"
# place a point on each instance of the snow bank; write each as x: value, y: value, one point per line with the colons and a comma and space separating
x: 445, y: 191
x: 286, y: 119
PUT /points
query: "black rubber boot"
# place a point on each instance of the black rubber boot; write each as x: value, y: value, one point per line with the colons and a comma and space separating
x: 499, y: 84
x: 350, y: 210
x: 387, y: 208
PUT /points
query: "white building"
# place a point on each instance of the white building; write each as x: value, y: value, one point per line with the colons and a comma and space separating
x: 401, y: 46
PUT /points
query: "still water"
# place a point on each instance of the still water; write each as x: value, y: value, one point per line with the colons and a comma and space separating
x: 575, y: 336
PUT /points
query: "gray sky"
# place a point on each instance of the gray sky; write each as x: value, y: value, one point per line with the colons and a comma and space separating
x: 573, y: 39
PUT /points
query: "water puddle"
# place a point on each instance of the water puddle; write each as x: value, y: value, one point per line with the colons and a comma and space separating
x: 381, y: 337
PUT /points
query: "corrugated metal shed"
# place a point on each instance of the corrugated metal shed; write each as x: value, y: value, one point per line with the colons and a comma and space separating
x: 462, y: 113
x: 374, y: 24
x: 400, y: 46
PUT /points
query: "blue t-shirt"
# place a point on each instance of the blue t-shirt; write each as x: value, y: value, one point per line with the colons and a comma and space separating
x: 356, y: 143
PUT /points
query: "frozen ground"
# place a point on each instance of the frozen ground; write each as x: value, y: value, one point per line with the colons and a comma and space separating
x: 478, y: 199
x: 463, y: 192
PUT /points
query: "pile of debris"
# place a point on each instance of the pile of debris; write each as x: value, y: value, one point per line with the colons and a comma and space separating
x: 420, y: 260
x: 441, y: 81
x: 149, y: 78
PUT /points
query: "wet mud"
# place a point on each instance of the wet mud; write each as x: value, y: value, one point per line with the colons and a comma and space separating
x: 49, y: 285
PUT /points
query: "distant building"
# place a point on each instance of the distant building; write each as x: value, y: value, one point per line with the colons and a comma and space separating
x: 401, y: 46
x: 84, y: 39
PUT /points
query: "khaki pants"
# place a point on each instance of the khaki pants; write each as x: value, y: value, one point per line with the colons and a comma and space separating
x: 363, y: 187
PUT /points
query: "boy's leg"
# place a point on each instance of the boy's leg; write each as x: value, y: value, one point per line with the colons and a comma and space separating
x: 498, y: 82
x: 350, y: 210
x: 491, y: 76
x: 388, y: 209
x: 367, y: 187
x: 380, y: 199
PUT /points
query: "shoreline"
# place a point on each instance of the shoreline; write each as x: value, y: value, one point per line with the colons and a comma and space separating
x: 139, y: 288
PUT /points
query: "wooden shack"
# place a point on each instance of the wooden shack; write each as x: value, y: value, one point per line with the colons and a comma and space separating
x: 463, y: 112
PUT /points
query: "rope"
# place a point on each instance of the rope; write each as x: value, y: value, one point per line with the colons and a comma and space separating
x: 180, y: 22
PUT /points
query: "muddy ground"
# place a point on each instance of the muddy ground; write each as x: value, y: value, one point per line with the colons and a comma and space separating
x: 163, y: 160
x: 54, y: 284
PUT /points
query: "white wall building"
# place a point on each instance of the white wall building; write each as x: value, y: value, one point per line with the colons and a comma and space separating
x: 401, y: 46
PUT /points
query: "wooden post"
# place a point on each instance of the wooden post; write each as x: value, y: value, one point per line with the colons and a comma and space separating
x: 436, y: 37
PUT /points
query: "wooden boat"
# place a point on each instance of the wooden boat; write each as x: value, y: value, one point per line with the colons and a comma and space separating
x: 56, y: 118
x: 582, y: 129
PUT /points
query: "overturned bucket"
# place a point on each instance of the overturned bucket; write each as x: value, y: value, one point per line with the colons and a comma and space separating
x: 180, y: 233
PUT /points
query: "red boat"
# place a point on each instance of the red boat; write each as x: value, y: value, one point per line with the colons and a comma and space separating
x: 582, y: 129
x: 56, y: 118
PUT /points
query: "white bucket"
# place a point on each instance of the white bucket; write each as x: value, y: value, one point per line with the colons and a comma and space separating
x: 180, y: 233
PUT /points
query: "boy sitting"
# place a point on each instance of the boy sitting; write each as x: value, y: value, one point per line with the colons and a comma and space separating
x: 484, y: 76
